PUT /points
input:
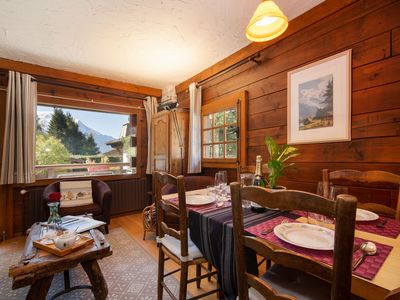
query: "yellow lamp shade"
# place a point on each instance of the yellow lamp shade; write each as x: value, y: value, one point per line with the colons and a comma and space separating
x: 267, y: 23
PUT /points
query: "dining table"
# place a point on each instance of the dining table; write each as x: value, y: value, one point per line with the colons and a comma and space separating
x: 211, y: 230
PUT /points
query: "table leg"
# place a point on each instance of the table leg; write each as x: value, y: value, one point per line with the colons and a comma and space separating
x: 39, y: 289
x: 96, y: 278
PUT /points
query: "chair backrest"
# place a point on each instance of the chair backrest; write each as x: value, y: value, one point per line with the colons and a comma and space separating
x: 191, y: 183
x: 365, y: 177
x: 178, y: 210
x: 344, y: 210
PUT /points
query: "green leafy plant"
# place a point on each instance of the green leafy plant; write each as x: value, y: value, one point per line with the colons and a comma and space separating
x: 277, y: 160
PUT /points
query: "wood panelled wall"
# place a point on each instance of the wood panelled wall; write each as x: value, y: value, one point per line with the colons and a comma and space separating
x: 372, y: 30
x: 82, y: 92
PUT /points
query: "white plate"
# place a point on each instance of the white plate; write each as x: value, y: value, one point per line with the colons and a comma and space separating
x: 306, y: 235
x: 199, y: 199
x: 365, y: 215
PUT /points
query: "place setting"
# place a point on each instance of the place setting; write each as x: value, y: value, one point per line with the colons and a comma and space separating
x: 317, y: 242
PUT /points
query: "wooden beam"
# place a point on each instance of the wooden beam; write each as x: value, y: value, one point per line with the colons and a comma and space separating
x: 317, y: 13
x: 76, y: 77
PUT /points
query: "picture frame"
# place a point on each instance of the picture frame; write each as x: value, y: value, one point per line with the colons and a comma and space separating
x: 319, y: 101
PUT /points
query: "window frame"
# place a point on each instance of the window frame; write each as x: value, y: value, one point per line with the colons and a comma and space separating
x: 238, y: 100
x: 105, y: 108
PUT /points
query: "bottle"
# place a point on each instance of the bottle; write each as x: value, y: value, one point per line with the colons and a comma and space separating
x: 259, y: 180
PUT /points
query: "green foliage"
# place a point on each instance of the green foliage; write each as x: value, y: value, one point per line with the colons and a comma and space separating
x: 91, y: 146
x: 277, y: 160
x: 64, y: 128
x: 50, y: 150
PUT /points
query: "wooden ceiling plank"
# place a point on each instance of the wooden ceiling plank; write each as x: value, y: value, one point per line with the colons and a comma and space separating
x: 76, y: 77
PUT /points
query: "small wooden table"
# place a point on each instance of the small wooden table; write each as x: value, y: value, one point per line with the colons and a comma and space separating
x: 37, y: 268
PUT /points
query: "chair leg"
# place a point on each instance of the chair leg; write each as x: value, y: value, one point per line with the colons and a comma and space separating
x: 106, y: 228
x: 144, y: 234
x: 160, y: 279
x: 198, y: 274
x: 183, y: 280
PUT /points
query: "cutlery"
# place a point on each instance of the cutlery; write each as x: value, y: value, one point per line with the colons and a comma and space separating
x: 367, y: 249
x: 382, y: 224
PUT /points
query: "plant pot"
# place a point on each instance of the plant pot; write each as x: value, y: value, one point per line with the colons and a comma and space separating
x: 276, y: 189
x: 258, y: 208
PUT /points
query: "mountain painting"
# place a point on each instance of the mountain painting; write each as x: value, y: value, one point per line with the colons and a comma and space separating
x: 316, y: 103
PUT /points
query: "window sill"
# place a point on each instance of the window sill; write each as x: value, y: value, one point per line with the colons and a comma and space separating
x: 47, y: 181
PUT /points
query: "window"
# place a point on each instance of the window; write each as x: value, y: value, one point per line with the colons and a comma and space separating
x: 75, y: 143
x: 223, y: 130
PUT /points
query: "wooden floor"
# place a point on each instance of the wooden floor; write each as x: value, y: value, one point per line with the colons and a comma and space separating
x: 133, y: 225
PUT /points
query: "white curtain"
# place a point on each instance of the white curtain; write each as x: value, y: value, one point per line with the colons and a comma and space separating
x: 18, y: 160
x: 150, y: 105
x: 194, y: 156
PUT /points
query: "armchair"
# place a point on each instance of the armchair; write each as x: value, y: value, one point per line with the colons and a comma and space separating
x: 100, y: 208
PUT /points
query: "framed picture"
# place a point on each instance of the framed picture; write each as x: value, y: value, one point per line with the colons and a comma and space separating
x: 319, y: 101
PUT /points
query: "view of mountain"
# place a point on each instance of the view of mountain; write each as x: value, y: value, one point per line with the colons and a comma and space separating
x: 44, y: 118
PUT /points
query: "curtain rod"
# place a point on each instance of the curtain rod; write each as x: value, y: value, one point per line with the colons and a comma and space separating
x: 82, y: 88
x: 80, y: 100
x: 252, y: 58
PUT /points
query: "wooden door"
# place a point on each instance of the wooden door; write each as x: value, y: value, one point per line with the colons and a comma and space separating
x: 160, y: 142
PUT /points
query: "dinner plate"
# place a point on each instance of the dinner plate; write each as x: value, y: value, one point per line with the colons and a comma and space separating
x: 365, y: 215
x: 199, y: 199
x: 306, y: 235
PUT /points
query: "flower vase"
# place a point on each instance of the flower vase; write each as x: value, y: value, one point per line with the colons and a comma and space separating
x: 54, y: 217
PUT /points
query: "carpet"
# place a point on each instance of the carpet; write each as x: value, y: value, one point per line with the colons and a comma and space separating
x: 131, y: 273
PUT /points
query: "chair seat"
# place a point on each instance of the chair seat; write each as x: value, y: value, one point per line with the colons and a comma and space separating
x: 174, y: 245
x: 295, y: 283
x: 93, y: 208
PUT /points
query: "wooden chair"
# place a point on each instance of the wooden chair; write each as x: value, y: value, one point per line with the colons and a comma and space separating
x: 294, y: 274
x: 366, y: 177
x: 177, y: 245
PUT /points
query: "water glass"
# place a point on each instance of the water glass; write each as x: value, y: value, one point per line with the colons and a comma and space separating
x: 246, y: 179
x: 320, y: 188
x: 219, y: 179
x: 336, y: 190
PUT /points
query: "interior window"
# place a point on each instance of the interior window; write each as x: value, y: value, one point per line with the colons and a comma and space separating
x: 223, y: 129
x: 76, y: 142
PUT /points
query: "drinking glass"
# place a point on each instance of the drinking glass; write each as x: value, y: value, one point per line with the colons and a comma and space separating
x: 219, y: 179
x: 336, y: 190
x: 224, y: 177
x: 320, y: 188
x: 246, y: 179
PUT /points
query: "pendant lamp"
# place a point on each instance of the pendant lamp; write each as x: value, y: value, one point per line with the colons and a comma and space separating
x: 267, y: 23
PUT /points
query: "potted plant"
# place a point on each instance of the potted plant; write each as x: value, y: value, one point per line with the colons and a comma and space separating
x: 277, y: 162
